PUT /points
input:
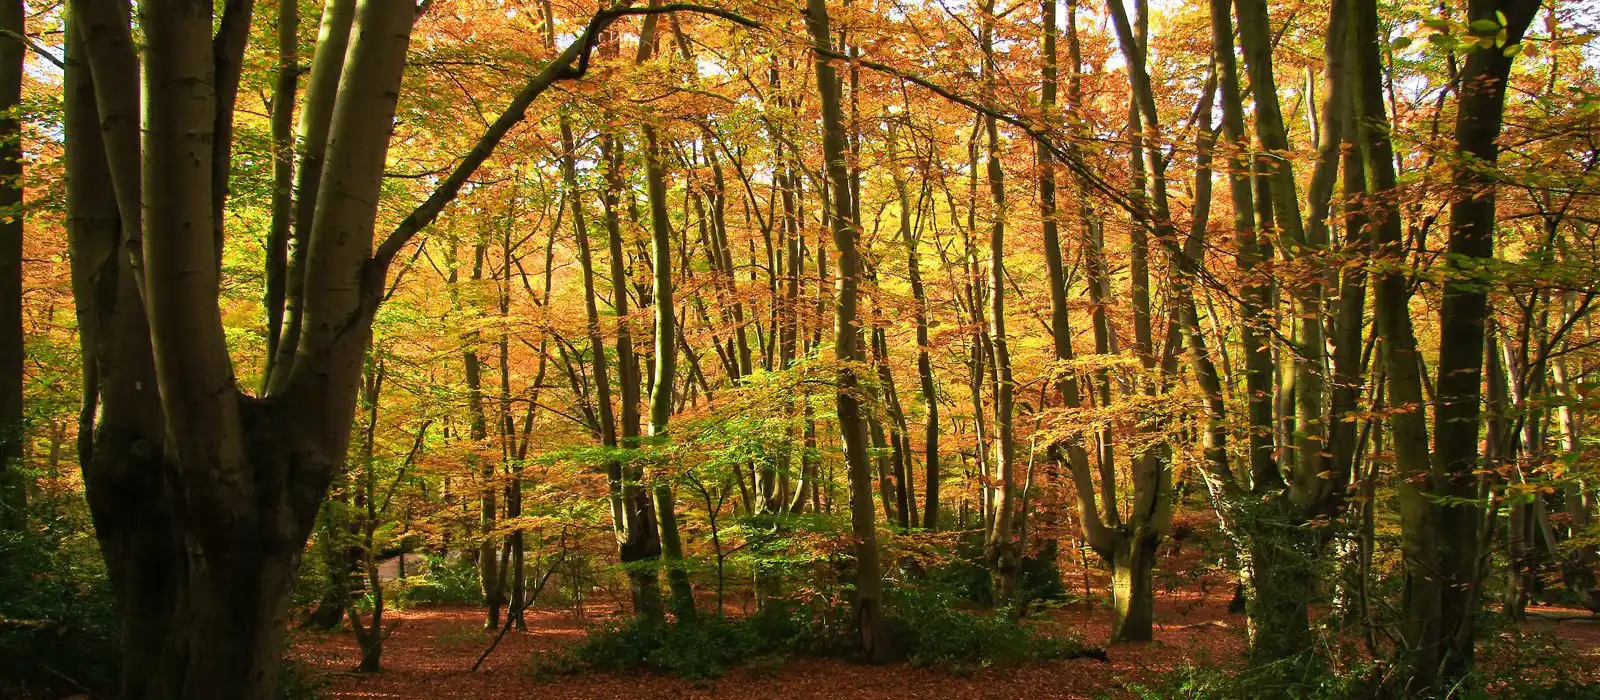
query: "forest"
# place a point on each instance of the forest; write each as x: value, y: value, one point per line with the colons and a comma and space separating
x: 865, y: 348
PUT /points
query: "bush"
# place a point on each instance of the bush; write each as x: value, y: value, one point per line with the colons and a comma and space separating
x: 923, y: 626
x: 702, y: 649
x: 58, y: 626
x: 1296, y: 679
x: 446, y: 581
x: 1513, y: 665
x: 928, y: 626
x: 297, y: 680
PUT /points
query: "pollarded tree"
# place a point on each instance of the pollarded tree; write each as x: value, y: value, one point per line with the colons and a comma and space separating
x: 203, y: 495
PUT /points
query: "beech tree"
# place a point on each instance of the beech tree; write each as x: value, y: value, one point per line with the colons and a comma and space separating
x: 844, y: 311
x: 13, y: 487
x: 203, y: 494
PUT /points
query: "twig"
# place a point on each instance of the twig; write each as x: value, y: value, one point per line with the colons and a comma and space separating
x: 375, y: 648
x: 37, y: 49
x: 523, y: 605
x: 86, y: 689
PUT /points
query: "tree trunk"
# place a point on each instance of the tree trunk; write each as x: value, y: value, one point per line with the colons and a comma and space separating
x: 489, y: 578
x: 281, y: 228
x: 672, y: 554
x: 1408, y: 427
x: 369, y: 636
x: 1442, y: 659
x: 869, y: 612
x: 1132, y: 589
x: 311, y: 139
x: 13, y: 488
x: 1003, y: 550
x: 1257, y: 293
x: 641, y: 543
x: 1578, y: 500
x: 203, y: 581
x: 930, y: 399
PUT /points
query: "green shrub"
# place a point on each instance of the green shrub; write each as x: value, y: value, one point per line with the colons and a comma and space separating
x: 1290, y: 679
x: 1512, y: 665
x: 930, y: 628
x: 298, y: 680
x: 706, y: 648
x: 924, y: 625
x: 58, y: 626
x: 446, y: 581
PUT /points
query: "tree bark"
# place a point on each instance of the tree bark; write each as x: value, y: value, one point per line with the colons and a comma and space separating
x: 1003, y: 551
x: 869, y: 612
x: 311, y: 139
x: 1462, y: 315
x: 203, y: 579
x: 929, y: 392
x: 664, y: 374
x: 13, y: 487
x: 641, y: 543
x: 281, y: 229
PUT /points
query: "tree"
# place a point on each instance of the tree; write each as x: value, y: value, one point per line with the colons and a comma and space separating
x: 869, y: 612
x: 13, y: 487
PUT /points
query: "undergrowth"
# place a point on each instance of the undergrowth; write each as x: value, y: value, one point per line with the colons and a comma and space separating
x: 924, y: 629
x: 1513, y: 665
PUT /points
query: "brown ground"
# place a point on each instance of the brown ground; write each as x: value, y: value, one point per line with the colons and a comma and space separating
x: 428, y: 655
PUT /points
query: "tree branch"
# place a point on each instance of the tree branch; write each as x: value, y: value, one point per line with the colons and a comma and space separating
x: 572, y: 64
x: 37, y: 49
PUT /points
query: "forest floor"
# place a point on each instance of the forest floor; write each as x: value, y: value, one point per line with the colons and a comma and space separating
x: 432, y: 649
x: 428, y: 655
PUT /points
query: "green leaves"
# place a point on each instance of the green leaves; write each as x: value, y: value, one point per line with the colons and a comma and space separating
x: 1484, y: 26
x: 1481, y: 33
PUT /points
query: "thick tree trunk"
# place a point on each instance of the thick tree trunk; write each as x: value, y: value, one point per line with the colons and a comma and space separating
x: 1462, y: 314
x: 1076, y: 455
x: 203, y: 580
x: 1132, y: 586
x: 1422, y: 632
x: 1256, y: 293
x: 120, y: 431
x: 13, y: 488
x: 1303, y: 420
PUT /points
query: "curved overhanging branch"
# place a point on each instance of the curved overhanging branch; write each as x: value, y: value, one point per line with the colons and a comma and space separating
x: 571, y: 64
